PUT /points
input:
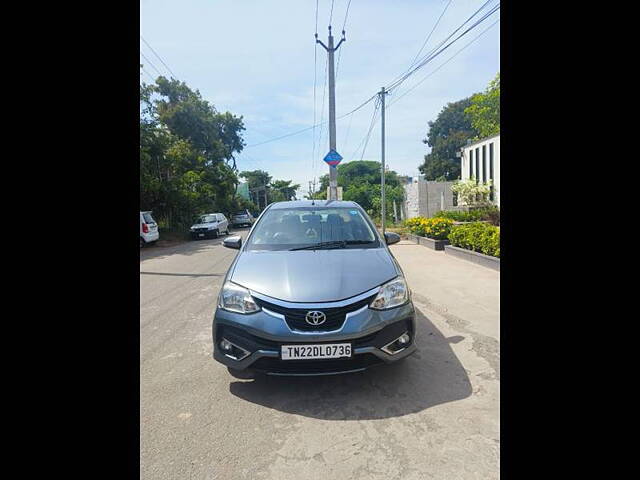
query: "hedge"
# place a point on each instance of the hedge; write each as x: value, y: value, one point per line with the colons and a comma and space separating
x: 479, y: 237
x: 490, y: 214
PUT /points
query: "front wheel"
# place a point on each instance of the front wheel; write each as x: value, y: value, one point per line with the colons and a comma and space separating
x: 215, y: 234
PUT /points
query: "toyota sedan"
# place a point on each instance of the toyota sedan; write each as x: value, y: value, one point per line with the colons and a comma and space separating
x: 314, y: 290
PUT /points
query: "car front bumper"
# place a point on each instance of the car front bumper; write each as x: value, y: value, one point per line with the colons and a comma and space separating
x: 261, y: 334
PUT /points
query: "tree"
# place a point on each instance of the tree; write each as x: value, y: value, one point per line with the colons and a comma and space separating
x: 484, y: 111
x: 186, y: 154
x: 215, y: 135
x: 447, y: 135
x: 256, y: 178
x: 360, y: 182
x: 282, y: 190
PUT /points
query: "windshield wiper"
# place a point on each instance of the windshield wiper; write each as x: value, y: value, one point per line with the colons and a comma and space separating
x: 322, y: 245
x: 359, y: 242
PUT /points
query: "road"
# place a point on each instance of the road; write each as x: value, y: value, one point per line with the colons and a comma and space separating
x: 434, y: 417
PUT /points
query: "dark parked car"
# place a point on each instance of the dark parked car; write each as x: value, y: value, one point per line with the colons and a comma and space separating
x: 314, y: 290
x: 242, y: 218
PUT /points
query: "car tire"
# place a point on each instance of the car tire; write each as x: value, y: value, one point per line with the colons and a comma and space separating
x: 241, y: 374
x: 215, y: 234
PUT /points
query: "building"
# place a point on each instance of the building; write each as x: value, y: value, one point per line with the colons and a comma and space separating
x: 481, y: 160
x: 243, y: 190
x: 423, y: 198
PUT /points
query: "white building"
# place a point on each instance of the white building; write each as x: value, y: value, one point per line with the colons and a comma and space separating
x: 424, y: 198
x: 481, y: 160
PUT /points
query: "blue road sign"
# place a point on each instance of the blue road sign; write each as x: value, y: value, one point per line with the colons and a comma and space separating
x: 333, y: 158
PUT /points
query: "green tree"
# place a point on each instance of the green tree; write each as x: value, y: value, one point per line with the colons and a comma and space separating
x: 360, y: 182
x: 187, y: 152
x: 484, y: 111
x: 282, y: 190
x: 447, y: 134
x: 256, y: 178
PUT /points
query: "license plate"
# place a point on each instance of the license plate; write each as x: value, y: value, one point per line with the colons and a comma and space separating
x: 315, y: 352
x: 201, y: 234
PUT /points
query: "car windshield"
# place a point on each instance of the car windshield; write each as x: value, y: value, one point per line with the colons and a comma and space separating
x: 148, y: 218
x: 207, y: 219
x: 296, y: 228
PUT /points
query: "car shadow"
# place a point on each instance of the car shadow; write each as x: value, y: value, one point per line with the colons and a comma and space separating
x: 431, y: 376
x: 188, y: 247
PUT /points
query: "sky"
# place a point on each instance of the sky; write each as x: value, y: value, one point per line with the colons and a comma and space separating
x: 258, y: 59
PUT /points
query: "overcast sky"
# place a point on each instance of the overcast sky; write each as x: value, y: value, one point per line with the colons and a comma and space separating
x: 255, y: 58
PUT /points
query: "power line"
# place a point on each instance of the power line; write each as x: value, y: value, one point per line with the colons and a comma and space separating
x: 426, y: 59
x: 430, y: 57
x: 159, y: 58
x: 149, y: 75
x: 429, y: 36
x: 346, y: 15
x: 442, y: 65
x: 373, y: 121
x: 433, y: 52
x: 313, y: 126
x: 150, y: 63
x: 331, y: 14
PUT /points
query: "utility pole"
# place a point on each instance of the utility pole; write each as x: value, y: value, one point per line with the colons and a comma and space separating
x: 333, y: 171
x: 383, y: 200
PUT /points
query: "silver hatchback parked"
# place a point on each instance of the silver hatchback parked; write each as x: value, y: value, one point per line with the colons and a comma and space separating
x: 314, y: 290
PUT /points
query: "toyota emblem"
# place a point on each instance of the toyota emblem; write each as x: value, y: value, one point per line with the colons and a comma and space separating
x: 315, y: 317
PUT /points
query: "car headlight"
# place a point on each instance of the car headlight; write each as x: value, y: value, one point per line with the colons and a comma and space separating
x: 236, y: 299
x: 391, y: 295
x: 192, y: 228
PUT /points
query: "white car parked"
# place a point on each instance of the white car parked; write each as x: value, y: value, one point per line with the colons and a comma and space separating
x: 210, y: 225
x: 148, y: 229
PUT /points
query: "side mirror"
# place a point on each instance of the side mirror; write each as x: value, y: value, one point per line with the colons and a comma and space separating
x: 391, y: 238
x: 233, y: 242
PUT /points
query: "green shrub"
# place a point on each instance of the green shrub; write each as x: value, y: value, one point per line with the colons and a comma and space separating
x: 489, y: 214
x: 436, y: 228
x: 477, y: 236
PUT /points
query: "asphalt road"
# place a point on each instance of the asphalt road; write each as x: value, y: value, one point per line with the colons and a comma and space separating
x: 434, y: 416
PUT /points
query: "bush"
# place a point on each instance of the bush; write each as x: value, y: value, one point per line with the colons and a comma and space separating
x: 489, y: 214
x: 478, y: 237
x: 436, y: 228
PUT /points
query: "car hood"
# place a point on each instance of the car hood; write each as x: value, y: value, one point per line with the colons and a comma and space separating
x: 314, y: 276
x: 201, y: 225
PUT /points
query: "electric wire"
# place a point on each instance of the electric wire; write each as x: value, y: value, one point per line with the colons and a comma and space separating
x: 150, y: 63
x: 434, y: 51
x: 159, y: 57
x: 425, y: 60
x: 373, y: 122
x: 413, y: 62
x: 442, y: 65
x: 331, y: 14
x: 429, y: 58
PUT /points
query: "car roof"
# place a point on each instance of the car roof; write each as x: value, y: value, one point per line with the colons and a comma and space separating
x: 314, y: 203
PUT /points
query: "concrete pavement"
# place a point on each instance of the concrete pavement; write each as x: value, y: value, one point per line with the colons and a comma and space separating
x: 435, y: 416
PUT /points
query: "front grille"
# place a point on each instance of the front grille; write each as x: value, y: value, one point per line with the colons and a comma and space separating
x: 295, y: 317
x: 201, y: 230
x: 275, y: 365
x: 253, y: 343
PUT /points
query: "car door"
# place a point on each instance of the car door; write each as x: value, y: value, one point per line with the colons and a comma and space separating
x: 224, y: 224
